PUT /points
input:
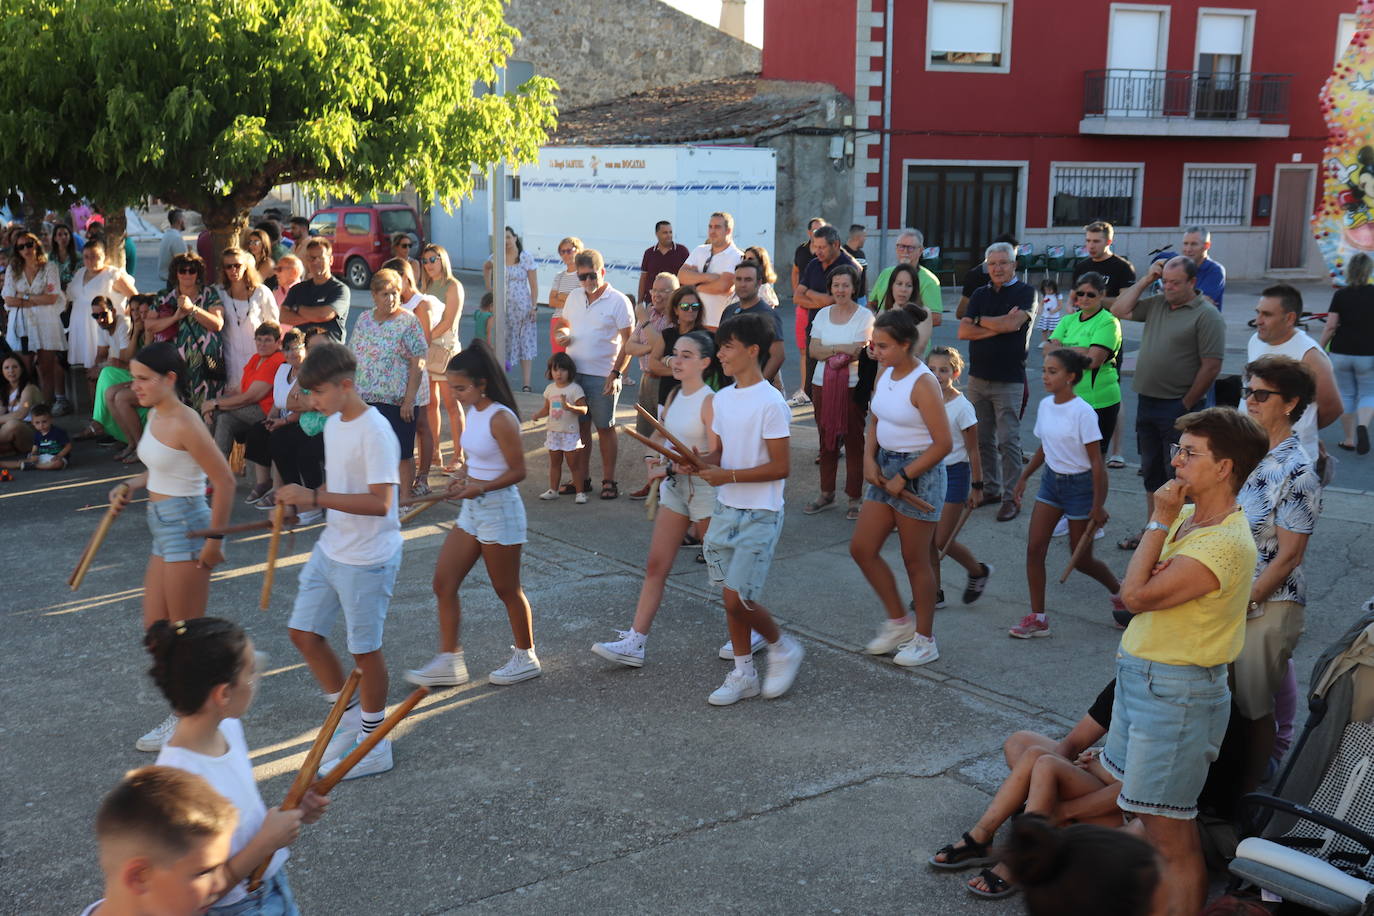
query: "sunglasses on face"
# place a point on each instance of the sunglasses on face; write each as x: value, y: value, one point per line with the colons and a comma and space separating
x: 586, y: 278
x: 1259, y: 394
x: 402, y: 244
x: 689, y: 306
x: 187, y: 269
x: 23, y: 246
x: 1085, y: 293
x: 234, y: 266
x: 432, y: 259
x: 567, y: 251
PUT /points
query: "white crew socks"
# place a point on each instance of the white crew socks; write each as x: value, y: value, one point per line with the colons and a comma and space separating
x: 744, y: 664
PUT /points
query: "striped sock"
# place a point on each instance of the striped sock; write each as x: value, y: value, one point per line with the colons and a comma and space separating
x: 371, y: 720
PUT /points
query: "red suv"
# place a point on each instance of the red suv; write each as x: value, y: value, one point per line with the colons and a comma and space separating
x: 361, y: 234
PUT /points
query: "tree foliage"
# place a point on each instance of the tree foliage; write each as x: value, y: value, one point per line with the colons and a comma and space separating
x: 208, y: 104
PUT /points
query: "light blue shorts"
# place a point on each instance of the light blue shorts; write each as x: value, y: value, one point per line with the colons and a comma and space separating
x: 272, y: 899
x: 687, y: 495
x: 930, y: 486
x: 739, y: 548
x: 495, y: 517
x: 170, y: 520
x: 363, y: 593
x: 1167, y: 726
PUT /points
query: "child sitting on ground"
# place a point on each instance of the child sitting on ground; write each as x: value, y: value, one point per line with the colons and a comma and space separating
x: 564, y: 404
x: 164, y: 844
x: 51, y: 444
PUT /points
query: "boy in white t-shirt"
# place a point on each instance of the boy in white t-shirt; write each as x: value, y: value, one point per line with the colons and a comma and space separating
x: 353, y: 566
x: 750, y: 437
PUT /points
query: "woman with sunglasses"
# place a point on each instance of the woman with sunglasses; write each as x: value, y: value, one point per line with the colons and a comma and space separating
x: 190, y: 315
x: 1093, y: 331
x: 685, y: 311
x: 401, y: 247
x: 436, y: 279
x: 247, y: 305
x: 564, y: 282
x: 33, y: 294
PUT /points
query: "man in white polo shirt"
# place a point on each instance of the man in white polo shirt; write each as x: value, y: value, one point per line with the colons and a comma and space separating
x: 711, y: 268
x: 1277, y: 332
x: 599, y: 320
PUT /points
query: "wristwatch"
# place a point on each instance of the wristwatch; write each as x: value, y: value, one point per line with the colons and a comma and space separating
x: 978, y: 320
x: 615, y: 373
x: 1157, y: 526
x: 1252, y: 607
x: 977, y: 485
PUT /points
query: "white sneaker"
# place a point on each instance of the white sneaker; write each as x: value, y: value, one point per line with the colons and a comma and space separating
x: 1062, y: 528
x: 346, y: 735
x: 580, y: 498
x: 736, y: 687
x: 756, y: 642
x: 377, y: 760
x: 309, y: 516
x: 549, y: 494
x: 798, y: 399
x: 920, y: 651
x: 447, y: 669
x: 628, y: 650
x: 153, y: 741
x: 523, y: 665
x: 894, y: 633
x: 783, y: 661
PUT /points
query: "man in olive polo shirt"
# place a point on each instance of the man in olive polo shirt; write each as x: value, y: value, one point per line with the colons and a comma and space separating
x: 1180, y: 356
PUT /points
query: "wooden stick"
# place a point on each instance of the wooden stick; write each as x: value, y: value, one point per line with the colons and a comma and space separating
x: 963, y: 517
x: 273, y: 546
x: 1083, y: 543
x: 97, y: 538
x: 419, y: 505
x: 326, y: 783
x: 678, y: 444
x: 914, y: 500
x: 301, y: 784
x: 662, y: 450
x: 245, y: 527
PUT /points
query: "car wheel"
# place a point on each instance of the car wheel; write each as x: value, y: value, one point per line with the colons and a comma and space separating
x: 357, y: 273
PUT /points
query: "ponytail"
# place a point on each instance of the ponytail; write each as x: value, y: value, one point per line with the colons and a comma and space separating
x: 193, y: 657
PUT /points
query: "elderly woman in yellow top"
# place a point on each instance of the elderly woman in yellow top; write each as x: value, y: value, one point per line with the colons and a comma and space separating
x: 1187, y: 586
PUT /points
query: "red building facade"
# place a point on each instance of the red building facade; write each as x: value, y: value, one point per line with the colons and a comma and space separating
x: 980, y: 117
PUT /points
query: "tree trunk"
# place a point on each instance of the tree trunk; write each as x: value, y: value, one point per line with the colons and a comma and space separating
x: 226, y: 228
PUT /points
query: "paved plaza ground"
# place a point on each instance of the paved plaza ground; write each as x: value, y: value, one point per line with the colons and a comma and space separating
x: 593, y: 788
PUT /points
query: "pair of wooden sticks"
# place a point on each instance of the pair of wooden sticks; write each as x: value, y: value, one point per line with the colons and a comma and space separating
x: 306, y: 779
x: 1078, y: 550
x: 679, y: 453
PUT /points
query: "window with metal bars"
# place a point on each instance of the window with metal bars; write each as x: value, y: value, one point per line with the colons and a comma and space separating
x: 1216, y: 196
x: 1083, y: 193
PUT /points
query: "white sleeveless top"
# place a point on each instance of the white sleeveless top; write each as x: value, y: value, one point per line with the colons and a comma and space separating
x: 683, y: 418
x: 1295, y: 348
x: 900, y: 427
x: 171, y: 471
x: 485, y: 461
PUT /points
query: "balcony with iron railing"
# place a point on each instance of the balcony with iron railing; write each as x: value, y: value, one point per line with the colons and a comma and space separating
x: 1185, y: 103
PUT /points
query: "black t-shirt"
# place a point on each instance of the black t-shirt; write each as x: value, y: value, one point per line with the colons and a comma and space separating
x: 858, y: 255
x: 1001, y: 358
x: 309, y: 294
x: 1101, y: 710
x: 765, y: 311
x: 1355, y: 333
x: 976, y: 277
x: 802, y: 256
x: 1119, y: 272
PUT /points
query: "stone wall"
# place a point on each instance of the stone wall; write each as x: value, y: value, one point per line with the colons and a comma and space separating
x: 603, y: 49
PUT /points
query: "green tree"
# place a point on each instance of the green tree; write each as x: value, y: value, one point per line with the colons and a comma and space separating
x: 208, y: 104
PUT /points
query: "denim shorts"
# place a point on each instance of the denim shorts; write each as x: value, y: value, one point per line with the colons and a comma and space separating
x: 272, y: 899
x: 1167, y: 726
x: 600, y: 407
x: 739, y: 548
x: 405, y: 432
x: 495, y: 517
x: 930, y: 486
x: 1072, y: 493
x: 958, y: 478
x: 170, y: 521
x: 687, y: 495
x: 363, y: 593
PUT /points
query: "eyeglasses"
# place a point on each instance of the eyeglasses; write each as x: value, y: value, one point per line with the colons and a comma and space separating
x: 188, y: 269
x: 567, y: 251
x: 1187, y: 453
x: 689, y: 306
x: 587, y: 277
x: 432, y: 259
x: 906, y: 247
x: 23, y: 246
x: 1086, y: 294
x: 1259, y: 394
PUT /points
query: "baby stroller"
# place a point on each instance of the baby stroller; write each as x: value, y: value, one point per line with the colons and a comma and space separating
x: 1311, y: 841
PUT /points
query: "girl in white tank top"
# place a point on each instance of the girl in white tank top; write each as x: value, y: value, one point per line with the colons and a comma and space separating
x: 491, y: 525
x: 180, y: 455
x: 683, y: 498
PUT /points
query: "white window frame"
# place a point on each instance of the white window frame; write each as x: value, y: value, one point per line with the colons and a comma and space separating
x: 1248, y: 203
x: 1161, y: 46
x: 1341, y: 20
x: 1003, y: 67
x: 1247, y: 48
x: 1136, y: 202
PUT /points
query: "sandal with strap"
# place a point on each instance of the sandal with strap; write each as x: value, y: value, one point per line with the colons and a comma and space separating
x: 610, y: 489
x: 968, y: 855
x: 819, y: 504
x: 998, y: 887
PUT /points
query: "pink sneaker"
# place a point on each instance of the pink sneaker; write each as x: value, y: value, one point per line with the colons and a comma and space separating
x: 1029, y: 628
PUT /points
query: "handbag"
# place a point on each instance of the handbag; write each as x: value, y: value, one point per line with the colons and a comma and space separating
x: 437, y: 357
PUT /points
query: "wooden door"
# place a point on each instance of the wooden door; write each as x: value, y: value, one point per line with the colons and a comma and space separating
x: 1288, y: 230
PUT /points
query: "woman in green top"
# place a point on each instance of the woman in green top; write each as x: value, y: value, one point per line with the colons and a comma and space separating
x: 1094, y: 332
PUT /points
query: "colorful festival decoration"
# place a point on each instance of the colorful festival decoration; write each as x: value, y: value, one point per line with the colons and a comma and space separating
x: 1344, y: 219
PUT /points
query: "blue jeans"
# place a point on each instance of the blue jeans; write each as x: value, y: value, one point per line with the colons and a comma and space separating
x: 1154, y: 433
x: 272, y: 899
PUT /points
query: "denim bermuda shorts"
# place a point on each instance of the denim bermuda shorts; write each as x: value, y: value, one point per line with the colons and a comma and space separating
x: 739, y: 548
x: 171, y: 520
x: 958, y: 478
x: 687, y: 495
x: 1167, y: 726
x: 600, y: 407
x: 363, y: 593
x: 1072, y: 493
x: 930, y: 486
x: 272, y: 899
x: 495, y: 517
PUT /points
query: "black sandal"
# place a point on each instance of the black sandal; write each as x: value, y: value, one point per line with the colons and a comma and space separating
x: 690, y: 540
x: 969, y: 855
x: 609, y: 489
x: 998, y: 887
x: 568, y: 489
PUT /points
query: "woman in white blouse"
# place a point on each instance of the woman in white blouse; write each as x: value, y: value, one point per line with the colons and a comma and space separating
x: 33, y: 295
x: 97, y: 277
x: 247, y: 304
